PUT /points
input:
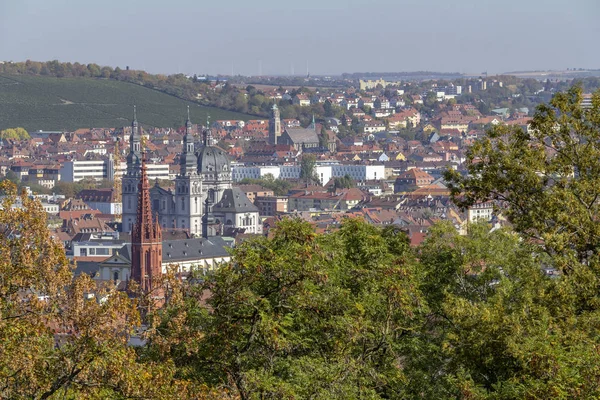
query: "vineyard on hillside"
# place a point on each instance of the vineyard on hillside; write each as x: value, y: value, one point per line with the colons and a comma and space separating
x: 48, y: 103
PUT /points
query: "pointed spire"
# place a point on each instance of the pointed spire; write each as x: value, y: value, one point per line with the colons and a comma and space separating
x: 134, y: 141
x: 313, y: 125
x: 188, y: 123
x: 187, y: 159
x: 145, y: 229
x: 146, y: 237
x: 208, y: 133
x: 134, y: 123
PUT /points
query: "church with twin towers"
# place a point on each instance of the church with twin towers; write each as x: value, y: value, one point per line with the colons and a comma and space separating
x: 202, y: 200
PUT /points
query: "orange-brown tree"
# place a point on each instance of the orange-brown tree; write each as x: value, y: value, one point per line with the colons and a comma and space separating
x: 59, y: 335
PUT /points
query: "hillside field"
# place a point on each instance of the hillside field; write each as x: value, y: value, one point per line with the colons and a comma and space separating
x: 47, y: 103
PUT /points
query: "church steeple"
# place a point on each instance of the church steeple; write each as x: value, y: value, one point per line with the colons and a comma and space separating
x: 188, y: 123
x: 207, y: 218
x: 208, y: 139
x: 135, y: 140
x: 131, y: 178
x: 146, y: 238
x: 274, y: 125
x: 188, y: 161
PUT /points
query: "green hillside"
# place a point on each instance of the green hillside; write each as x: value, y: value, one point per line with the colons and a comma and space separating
x: 47, y: 103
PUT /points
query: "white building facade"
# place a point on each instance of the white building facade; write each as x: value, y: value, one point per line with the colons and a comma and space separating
x: 325, y: 172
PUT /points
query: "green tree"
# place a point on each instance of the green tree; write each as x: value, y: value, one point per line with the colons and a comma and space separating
x: 323, y: 138
x: 15, y: 133
x: 499, y: 327
x: 307, y: 168
x: 345, y: 182
x: 300, y: 316
x: 523, y: 334
x: 13, y: 177
x: 280, y: 187
x: 547, y: 180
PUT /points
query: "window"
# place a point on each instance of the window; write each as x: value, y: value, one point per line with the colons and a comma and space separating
x: 182, y: 204
x: 115, y: 275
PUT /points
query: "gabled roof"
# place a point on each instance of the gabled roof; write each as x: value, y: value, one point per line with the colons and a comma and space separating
x: 194, y: 249
x: 302, y: 135
x: 234, y: 200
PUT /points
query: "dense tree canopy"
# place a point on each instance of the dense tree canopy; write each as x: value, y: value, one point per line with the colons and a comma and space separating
x: 59, y: 336
x: 301, y: 316
x: 14, y: 133
x: 545, y: 178
x: 280, y: 187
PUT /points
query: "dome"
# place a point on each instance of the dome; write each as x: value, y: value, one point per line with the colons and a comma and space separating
x: 212, y: 159
x: 133, y: 158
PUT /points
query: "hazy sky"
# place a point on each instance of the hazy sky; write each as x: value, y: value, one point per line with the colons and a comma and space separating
x: 279, y: 36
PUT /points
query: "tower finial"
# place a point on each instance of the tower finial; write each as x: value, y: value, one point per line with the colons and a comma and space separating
x: 134, y: 113
x: 207, y: 121
x: 188, y: 110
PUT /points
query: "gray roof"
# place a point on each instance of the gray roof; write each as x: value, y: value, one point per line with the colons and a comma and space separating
x: 234, y: 200
x: 161, y: 191
x: 212, y: 159
x: 194, y: 249
x: 125, y: 251
x: 302, y: 135
x: 86, y: 267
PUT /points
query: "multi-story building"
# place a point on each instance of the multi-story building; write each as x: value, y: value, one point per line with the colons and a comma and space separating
x: 313, y: 201
x: 103, y: 200
x: 324, y: 171
x: 77, y: 170
x: 271, y: 205
x: 481, y: 212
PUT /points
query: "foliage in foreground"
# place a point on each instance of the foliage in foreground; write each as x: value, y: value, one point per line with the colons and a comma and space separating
x: 55, y: 339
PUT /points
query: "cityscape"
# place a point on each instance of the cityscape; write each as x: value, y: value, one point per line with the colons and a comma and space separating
x: 289, y: 227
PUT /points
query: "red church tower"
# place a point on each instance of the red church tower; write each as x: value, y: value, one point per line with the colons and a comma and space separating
x: 146, y: 239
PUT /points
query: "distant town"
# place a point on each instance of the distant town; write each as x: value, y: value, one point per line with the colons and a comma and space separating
x: 376, y: 150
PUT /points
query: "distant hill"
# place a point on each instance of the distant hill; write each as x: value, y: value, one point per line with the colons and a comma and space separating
x: 48, y: 103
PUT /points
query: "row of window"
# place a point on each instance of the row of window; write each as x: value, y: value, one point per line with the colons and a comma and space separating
x: 95, y: 251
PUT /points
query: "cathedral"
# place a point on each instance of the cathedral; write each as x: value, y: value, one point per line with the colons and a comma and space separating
x: 203, y: 201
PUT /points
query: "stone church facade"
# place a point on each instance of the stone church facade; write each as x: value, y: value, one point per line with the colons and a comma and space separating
x: 203, y: 191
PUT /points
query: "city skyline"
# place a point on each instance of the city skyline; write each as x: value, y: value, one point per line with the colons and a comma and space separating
x: 268, y: 38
